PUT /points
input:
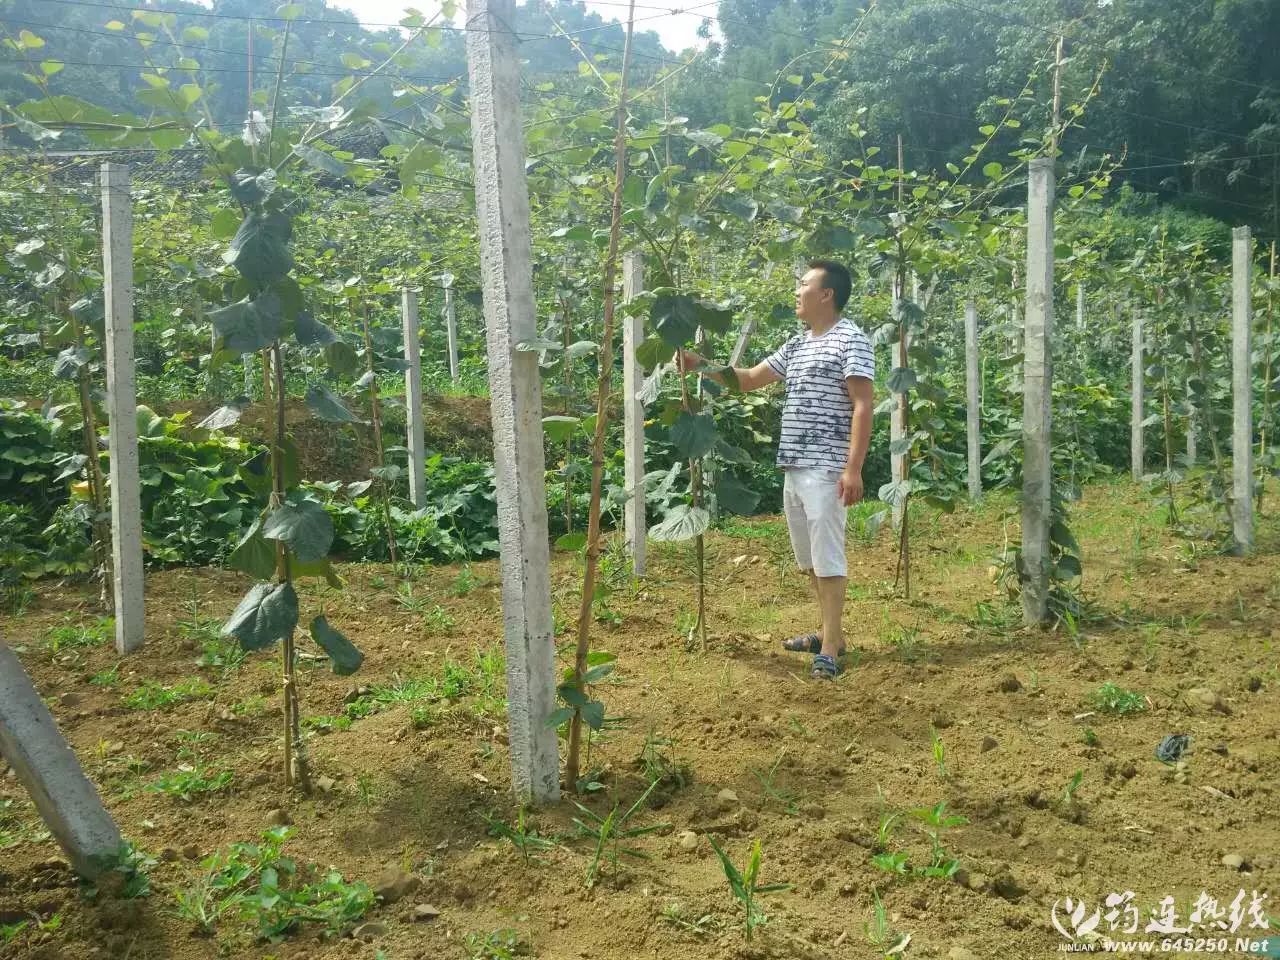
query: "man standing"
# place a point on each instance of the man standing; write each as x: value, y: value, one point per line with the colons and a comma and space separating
x: 826, y: 428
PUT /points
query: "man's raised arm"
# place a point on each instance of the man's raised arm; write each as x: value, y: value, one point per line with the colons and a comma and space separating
x: 749, y: 378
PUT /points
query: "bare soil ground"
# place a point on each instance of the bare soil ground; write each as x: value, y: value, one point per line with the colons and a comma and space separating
x: 753, y: 751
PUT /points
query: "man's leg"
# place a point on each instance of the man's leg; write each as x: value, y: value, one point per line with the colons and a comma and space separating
x: 831, y: 592
x: 817, y: 595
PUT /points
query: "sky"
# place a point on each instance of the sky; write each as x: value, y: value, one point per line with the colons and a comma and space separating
x: 677, y: 31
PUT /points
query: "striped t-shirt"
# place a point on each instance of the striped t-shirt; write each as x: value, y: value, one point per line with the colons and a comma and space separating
x: 817, y: 414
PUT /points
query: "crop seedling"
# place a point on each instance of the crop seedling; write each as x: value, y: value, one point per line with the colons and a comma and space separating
x: 886, y: 826
x: 1110, y: 698
x: 880, y: 932
x: 939, y: 751
x: 934, y: 820
x: 521, y: 836
x: 1069, y: 791
x: 1090, y: 738
x: 504, y: 944
x: 744, y: 885
x: 609, y: 833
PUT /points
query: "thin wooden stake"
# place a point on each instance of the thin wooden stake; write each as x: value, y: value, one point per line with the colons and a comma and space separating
x: 602, y: 412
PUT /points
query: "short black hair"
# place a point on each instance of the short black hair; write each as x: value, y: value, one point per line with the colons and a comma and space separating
x: 835, y: 277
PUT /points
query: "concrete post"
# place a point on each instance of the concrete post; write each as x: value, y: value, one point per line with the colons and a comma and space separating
x: 451, y: 332
x: 502, y: 211
x: 1037, y: 393
x: 972, y: 382
x: 31, y: 744
x: 413, y: 399
x: 1138, y: 402
x: 122, y: 407
x: 1242, y: 390
x: 634, y: 519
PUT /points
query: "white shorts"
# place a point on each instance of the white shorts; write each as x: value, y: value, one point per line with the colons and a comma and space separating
x: 815, y: 520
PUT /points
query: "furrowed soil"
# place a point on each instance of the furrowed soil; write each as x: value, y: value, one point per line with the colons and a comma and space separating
x: 750, y: 747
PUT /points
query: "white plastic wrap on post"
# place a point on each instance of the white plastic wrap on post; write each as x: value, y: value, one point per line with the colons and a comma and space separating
x: 122, y: 408
x: 1037, y: 394
x: 1137, y: 402
x: 413, y: 399
x: 502, y: 211
x: 1242, y: 390
x: 1079, y: 306
x: 451, y: 332
x: 744, y: 338
x: 973, y: 415
x: 633, y: 515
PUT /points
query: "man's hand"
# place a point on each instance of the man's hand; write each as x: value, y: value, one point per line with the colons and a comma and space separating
x: 690, y: 360
x: 849, y: 486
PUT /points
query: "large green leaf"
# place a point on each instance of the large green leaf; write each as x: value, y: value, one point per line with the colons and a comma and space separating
x: 675, y: 318
x: 304, y: 525
x: 344, y: 656
x: 694, y: 435
x: 67, y: 365
x: 739, y: 205
x: 902, y: 379
x: 248, y: 326
x: 341, y: 358
x: 653, y: 352
x: 253, y: 555
x: 310, y: 332
x: 682, y: 522
x: 324, y: 403
x: 734, y: 496
x: 559, y: 429
x: 260, y: 248
x: 256, y: 471
x: 268, y: 613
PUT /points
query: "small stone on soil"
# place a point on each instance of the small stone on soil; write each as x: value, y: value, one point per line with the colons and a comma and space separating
x: 1010, y: 684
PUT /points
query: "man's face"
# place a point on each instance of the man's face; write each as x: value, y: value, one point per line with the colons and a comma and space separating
x: 813, y: 300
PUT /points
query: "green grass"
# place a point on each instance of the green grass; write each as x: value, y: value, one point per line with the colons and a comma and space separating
x: 154, y: 696
x: 76, y: 636
x: 1110, y: 698
x: 109, y: 677
x: 191, y: 780
x: 479, y: 688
